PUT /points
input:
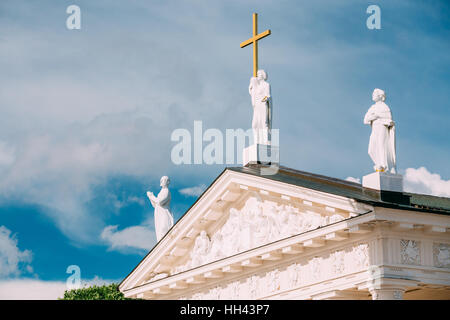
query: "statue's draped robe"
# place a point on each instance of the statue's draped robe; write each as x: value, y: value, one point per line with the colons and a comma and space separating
x: 262, y: 111
x: 163, y: 216
x: 382, y: 138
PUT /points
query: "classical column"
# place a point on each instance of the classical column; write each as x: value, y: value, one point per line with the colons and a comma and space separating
x: 389, y: 289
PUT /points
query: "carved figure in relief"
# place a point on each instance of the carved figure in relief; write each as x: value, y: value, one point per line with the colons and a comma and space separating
x: 200, y: 250
x: 217, y: 245
x: 310, y: 221
x: 338, y: 262
x: 282, y: 224
x: 315, y: 267
x: 261, y: 229
x: 253, y: 287
x: 360, y: 254
x: 274, y: 280
x: 293, y: 222
x: 293, y: 275
x: 231, y: 232
x: 235, y: 290
x: 273, y: 217
x: 256, y: 223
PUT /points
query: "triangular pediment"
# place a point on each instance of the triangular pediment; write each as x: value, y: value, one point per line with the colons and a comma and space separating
x: 237, y: 213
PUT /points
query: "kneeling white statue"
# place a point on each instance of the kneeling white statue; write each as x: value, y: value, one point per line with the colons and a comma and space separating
x: 161, y: 203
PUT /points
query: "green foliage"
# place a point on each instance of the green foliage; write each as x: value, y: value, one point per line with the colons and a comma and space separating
x: 106, y: 292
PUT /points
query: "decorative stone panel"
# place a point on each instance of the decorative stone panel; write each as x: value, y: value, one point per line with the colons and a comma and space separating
x: 410, y: 252
x: 441, y: 255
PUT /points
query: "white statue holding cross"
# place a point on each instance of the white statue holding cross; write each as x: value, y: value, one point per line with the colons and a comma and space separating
x: 259, y: 90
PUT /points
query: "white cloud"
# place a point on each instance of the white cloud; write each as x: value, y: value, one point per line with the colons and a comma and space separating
x: 13, y: 261
x: 135, y: 199
x: 129, y: 239
x: 193, y: 191
x: 27, y: 289
x: 34, y: 289
x: 351, y: 179
x: 119, y: 204
x: 422, y: 181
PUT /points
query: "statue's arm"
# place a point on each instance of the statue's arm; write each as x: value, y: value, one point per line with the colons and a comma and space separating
x: 370, y: 116
x: 151, y: 197
x: 163, y: 197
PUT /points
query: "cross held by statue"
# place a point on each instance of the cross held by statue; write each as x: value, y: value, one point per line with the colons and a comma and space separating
x: 254, y: 40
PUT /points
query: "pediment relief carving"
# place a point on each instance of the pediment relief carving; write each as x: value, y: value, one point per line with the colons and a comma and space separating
x: 257, y: 223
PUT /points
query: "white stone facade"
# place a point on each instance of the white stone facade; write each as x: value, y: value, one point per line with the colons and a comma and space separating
x: 254, y: 238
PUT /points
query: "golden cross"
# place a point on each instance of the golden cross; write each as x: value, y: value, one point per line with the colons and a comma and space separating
x: 254, y: 40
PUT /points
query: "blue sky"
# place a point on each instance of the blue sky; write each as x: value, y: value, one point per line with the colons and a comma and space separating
x: 86, y: 115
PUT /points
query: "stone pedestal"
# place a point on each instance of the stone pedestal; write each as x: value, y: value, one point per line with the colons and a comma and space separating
x: 383, y: 181
x: 261, y: 154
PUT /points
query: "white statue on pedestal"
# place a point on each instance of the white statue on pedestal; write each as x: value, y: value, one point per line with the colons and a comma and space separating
x: 259, y: 90
x: 161, y: 203
x: 382, y: 139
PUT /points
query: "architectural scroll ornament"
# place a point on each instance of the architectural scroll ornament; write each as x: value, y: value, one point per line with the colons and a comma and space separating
x: 257, y: 223
x: 410, y: 252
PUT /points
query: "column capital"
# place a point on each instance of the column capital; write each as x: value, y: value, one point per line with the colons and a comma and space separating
x: 389, y: 288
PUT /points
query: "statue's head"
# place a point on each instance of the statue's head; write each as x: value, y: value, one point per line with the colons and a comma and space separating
x: 261, y: 75
x: 164, y: 182
x: 378, y: 95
